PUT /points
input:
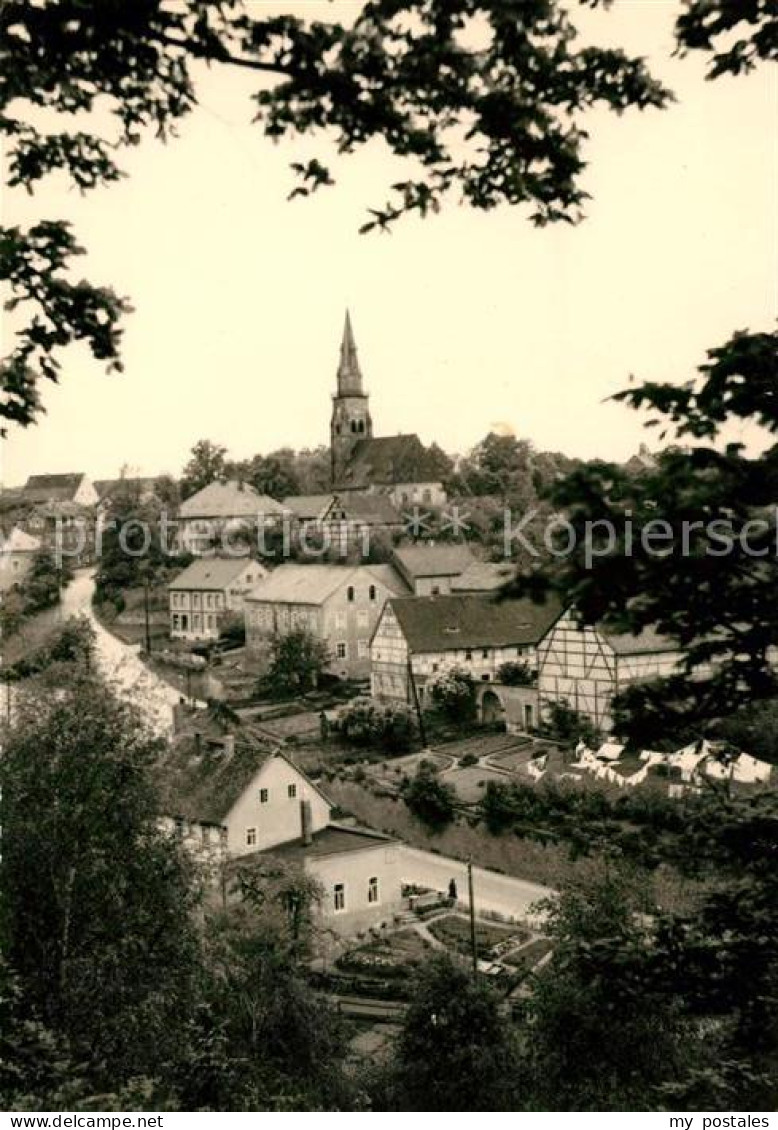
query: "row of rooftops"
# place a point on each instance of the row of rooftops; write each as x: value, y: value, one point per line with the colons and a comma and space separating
x: 453, y: 621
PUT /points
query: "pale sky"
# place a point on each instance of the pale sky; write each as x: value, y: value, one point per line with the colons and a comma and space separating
x: 463, y: 320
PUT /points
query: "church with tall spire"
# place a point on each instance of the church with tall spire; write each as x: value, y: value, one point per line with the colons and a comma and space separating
x: 399, y: 466
x: 350, y: 421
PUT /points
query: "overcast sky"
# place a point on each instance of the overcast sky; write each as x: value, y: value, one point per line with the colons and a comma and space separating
x: 463, y: 321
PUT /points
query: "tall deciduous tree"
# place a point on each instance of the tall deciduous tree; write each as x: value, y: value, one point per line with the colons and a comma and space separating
x: 207, y: 462
x: 455, y: 1051
x: 686, y: 548
x: 485, y: 98
x: 96, y: 901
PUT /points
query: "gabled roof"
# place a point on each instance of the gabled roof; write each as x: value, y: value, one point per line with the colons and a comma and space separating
x: 484, y: 576
x: 308, y: 507
x: 388, y: 460
x: 59, y: 488
x: 18, y: 541
x: 454, y: 622
x: 434, y: 560
x: 229, y: 500
x: 214, y: 573
x: 313, y: 584
x: 642, y: 643
x: 204, y: 786
x: 373, y: 509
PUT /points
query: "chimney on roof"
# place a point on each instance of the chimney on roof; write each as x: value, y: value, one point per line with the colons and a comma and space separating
x: 306, y: 822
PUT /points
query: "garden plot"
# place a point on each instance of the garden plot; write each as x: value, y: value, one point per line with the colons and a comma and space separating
x: 470, y: 782
x: 453, y: 932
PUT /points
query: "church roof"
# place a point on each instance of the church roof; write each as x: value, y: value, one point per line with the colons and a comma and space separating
x: 349, y: 373
x: 387, y: 460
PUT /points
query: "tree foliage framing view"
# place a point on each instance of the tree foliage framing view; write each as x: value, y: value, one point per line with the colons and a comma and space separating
x: 486, y: 98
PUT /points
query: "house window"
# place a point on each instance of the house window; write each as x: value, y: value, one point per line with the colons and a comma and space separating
x: 486, y: 676
x: 529, y: 720
x: 341, y: 650
x: 176, y: 621
x: 468, y: 655
x: 340, y: 619
x: 485, y: 653
x: 180, y: 827
x: 436, y: 590
x: 363, y: 620
x: 263, y: 796
x: 350, y: 593
x: 372, y: 889
x: 196, y: 621
x: 251, y: 837
x: 291, y: 791
x: 362, y: 649
x: 339, y: 894
x: 372, y: 592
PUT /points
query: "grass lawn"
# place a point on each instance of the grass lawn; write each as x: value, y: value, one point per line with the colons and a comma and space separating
x: 454, y: 932
x: 470, y: 783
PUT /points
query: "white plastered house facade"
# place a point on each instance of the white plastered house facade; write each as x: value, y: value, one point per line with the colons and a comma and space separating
x: 277, y: 810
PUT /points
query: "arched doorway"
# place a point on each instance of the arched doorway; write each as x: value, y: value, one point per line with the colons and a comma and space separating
x: 492, y: 710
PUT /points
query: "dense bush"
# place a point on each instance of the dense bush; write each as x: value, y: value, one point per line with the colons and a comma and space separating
x: 453, y: 694
x: 365, y: 722
x: 516, y: 673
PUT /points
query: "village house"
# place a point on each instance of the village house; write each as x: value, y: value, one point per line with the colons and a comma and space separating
x: 418, y: 637
x: 219, y: 512
x: 432, y: 570
x: 586, y: 666
x: 398, y: 466
x: 75, y: 487
x: 17, y: 554
x: 59, y: 510
x: 207, y: 591
x: 344, y: 521
x: 339, y: 604
x: 246, y: 802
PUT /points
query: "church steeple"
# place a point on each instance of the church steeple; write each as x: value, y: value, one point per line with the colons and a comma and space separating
x: 349, y: 373
x: 350, y: 421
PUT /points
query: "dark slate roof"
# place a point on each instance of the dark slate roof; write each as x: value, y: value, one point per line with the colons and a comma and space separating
x: 446, y: 623
x: 335, y: 839
x: 307, y: 507
x: 434, y: 560
x: 214, y: 573
x: 375, y: 509
x: 204, y: 786
x: 388, y: 459
x: 45, y: 488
